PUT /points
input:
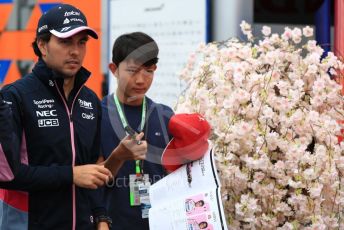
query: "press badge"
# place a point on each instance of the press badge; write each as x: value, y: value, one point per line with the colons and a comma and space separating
x: 134, y: 183
x: 144, y: 199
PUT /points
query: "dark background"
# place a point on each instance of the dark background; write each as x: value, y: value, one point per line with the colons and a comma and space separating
x: 288, y: 11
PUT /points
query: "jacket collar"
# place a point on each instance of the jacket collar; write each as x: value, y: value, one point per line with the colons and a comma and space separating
x: 47, y: 75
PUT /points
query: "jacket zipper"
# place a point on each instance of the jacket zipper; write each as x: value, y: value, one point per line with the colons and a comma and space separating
x: 71, y: 127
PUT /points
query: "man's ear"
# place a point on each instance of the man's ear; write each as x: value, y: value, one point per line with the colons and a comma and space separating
x: 42, y: 46
x: 113, y: 68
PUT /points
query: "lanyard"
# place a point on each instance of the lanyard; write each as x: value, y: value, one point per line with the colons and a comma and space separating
x: 124, y: 121
x: 122, y: 115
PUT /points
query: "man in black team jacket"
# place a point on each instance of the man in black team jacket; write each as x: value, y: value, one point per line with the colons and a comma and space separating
x: 57, y: 120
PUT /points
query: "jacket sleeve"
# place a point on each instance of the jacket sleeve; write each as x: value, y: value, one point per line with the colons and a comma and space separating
x: 96, y: 197
x: 8, y: 145
x: 26, y: 177
x: 97, y: 202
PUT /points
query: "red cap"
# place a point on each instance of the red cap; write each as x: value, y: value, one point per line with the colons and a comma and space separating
x: 190, y: 140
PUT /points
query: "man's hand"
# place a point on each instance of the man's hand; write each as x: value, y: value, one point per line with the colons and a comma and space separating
x: 128, y: 149
x: 90, y: 176
x: 103, y: 226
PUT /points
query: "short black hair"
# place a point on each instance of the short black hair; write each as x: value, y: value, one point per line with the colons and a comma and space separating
x: 137, y: 46
x: 201, y: 201
x: 45, y: 37
x: 205, y: 224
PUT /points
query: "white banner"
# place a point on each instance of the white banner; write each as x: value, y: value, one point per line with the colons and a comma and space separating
x: 178, y: 26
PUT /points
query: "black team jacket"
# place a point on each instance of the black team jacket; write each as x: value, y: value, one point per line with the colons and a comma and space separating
x: 54, y: 135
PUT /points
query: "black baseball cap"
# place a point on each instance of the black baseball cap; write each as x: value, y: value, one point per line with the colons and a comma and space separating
x: 64, y: 21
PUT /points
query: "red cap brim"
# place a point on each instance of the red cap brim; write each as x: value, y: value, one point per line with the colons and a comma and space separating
x: 172, y: 157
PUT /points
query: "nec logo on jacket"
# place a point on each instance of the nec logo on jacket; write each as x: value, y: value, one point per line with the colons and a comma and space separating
x: 46, y: 113
x: 47, y: 122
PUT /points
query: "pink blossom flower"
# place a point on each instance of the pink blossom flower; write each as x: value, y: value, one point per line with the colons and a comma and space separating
x: 307, y: 31
x: 259, y: 176
x: 316, y: 190
x: 296, y: 35
x: 266, y: 30
x: 274, y: 111
x: 287, y: 34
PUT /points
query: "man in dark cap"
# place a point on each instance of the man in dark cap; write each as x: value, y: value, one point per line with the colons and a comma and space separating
x: 56, y: 120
